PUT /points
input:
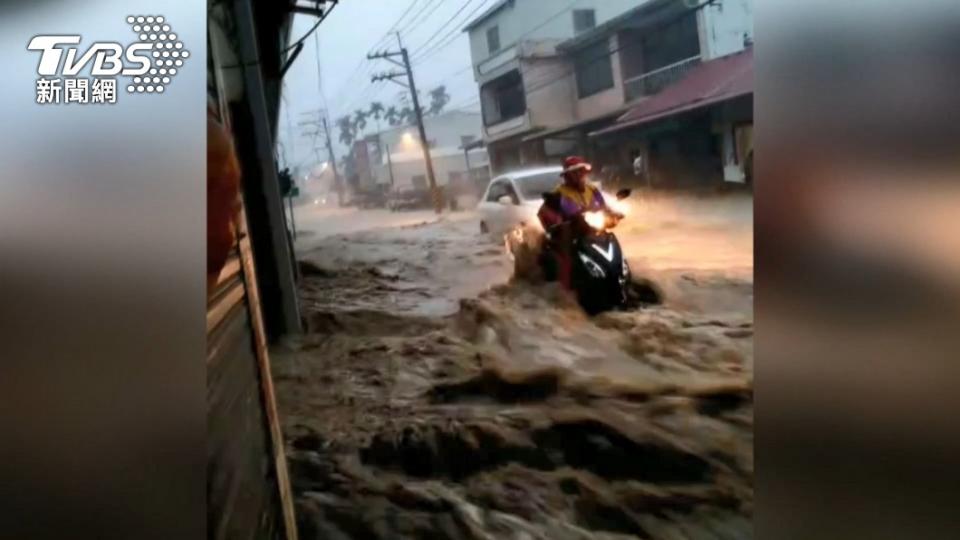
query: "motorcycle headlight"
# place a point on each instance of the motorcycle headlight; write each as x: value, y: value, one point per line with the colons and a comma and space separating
x: 597, y: 220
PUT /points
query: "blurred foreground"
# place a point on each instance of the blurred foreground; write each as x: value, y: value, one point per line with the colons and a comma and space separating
x: 434, y: 397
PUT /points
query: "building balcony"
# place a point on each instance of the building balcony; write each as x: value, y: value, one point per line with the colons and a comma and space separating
x: 506, y: 128
x: 497, y: 64
x: 656, y: 80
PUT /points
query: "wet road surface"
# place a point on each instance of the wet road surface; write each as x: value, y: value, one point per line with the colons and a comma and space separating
x: 435, y: 397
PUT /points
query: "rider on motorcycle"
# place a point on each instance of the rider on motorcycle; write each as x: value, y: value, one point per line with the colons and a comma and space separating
x: 572, y: 198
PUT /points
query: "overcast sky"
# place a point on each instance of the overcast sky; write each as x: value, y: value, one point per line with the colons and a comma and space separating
x: 345, y: 37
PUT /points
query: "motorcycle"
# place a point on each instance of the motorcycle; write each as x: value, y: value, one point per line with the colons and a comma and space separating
x: 600, y: 275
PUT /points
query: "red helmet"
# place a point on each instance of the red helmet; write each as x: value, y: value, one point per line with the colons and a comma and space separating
x: 575, y: 163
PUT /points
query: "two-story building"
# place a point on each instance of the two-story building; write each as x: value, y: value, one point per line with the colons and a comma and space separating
x: 678, y: 93
x: 567, y: 91
x: 524, y: 80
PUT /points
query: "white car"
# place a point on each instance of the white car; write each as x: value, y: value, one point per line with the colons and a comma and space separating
x: 514, y: 198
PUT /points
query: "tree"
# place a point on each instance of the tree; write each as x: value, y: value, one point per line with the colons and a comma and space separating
x: 346, y: 127
x: 407, y: 115
x: 439, y: 98
x: 376, y: 110
x: 359, y: 120
x: 392, y: 115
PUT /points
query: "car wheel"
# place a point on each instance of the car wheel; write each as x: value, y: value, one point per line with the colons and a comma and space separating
x: 483, y: 227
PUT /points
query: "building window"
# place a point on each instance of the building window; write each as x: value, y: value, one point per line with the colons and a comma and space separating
x: 493, y: 39
x: 594, y: 69
x: 503, y: 98
x: 583, y: 20
x: 419, y: 181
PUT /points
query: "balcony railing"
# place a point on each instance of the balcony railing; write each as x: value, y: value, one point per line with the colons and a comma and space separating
x: 654, y: 81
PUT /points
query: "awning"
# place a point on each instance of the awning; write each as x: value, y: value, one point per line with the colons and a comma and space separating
x: 572, y: 127
x: 473, y: 145
x: 711, y: 82
x: 500, y: 137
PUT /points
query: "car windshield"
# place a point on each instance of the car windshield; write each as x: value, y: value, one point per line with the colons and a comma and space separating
x: 531, y: 187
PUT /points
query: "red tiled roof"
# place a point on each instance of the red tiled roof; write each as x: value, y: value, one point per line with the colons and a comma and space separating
x: 711, y: 82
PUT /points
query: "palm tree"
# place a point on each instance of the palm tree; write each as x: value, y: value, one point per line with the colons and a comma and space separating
x: 376, y: 111
x: 407, y: 116
x: 438, y: 99
x: 359, y: 120
x: 347, y: 134
x: 392, y: 115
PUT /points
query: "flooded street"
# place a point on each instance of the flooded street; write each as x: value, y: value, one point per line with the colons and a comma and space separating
x: 436, y: 397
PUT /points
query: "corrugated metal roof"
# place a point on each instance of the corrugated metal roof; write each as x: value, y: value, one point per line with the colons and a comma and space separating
x: 711, y: 82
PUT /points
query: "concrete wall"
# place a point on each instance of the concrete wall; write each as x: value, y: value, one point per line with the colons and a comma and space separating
x: 609, y: 100
x: 723, y: 25
x: 444, y: 130
x: 408, y: 165
x: 550, y: 91
x: 519, y: 20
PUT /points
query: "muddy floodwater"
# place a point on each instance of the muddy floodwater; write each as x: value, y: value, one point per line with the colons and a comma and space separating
x: 434, y: 396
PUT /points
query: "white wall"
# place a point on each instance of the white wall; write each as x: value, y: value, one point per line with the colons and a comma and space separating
x: 551, y: 105
x: 445, y: 129
x: 519, y: 17
x: 723, y: 25
x: 408, y: 165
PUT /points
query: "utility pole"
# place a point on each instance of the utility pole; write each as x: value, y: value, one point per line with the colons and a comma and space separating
x: 316, y: 124
x: 333, y: 163
x: 393, y: 76
x: 389, y: 164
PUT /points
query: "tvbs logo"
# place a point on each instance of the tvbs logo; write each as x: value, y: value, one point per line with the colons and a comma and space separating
x: 149, y: 64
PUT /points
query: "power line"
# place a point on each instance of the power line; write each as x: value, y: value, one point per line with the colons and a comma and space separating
x: 448, y: 23
x: 292, y: 47
x: 543, y: 23
x: 563, y: 76
x: 412, y: 22
x: 386, y: 35
x: 366, y: 94
x: 447, y: 77
x: 320, y: 19
x: 396, y: 24
x: 415, y: 23
x: 469, y: 67
x: 541, y: 85
x: 412, y: 87
x: 619, y: 48
x: 452, y: 35
x: 323, y: 97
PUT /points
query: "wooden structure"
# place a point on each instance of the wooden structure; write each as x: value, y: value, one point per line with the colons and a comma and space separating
x: 254, y: 300
x: 248, y: 490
